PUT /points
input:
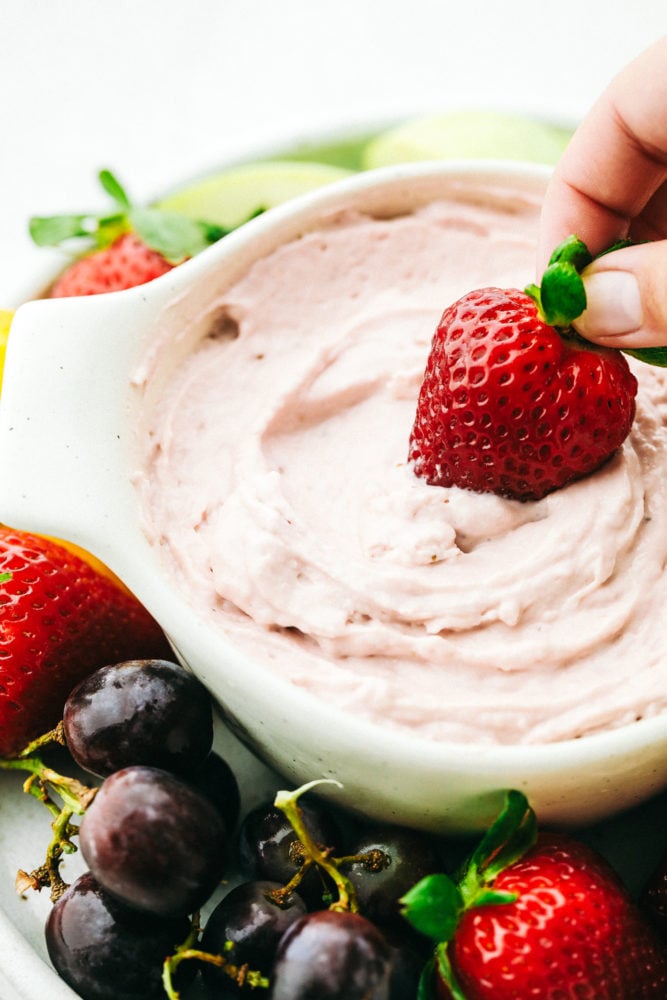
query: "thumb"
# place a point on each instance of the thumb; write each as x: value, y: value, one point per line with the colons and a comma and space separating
x: 626, y: 293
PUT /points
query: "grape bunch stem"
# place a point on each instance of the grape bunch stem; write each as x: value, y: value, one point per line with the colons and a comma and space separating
x: 75, y: 796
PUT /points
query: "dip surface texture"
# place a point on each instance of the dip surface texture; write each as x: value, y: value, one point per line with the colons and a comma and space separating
x: 276, y: 483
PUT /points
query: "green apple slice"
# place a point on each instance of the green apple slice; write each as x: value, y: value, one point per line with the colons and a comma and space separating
x: 343, y: 152
x: 232, y: 196
x: 468, y: 134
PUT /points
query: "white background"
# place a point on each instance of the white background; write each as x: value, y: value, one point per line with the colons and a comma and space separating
x: 161, y: 90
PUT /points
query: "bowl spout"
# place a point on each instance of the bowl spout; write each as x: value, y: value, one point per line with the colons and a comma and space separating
x: 62, y: 420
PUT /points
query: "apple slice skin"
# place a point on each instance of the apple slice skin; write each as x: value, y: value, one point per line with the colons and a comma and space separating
x: 472, y: 134
x: 230, y: 197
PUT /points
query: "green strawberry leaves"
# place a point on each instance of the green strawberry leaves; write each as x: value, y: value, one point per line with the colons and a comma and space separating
x: 435, y: 905
x: 561, y: 296
x: 512, y: 834
x: 174, y: 236
x: 52, y: 230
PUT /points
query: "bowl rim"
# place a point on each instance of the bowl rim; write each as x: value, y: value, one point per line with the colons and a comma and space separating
x: 169, y: 604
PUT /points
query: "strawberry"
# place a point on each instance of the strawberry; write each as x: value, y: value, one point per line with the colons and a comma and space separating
x: 60, y: 619
x: 126, y: 247
x: 513, y: 401
x: 535, y: 915
x: 125, y: 263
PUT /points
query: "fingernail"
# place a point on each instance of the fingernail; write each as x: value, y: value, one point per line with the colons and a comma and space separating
x: 613, y: 304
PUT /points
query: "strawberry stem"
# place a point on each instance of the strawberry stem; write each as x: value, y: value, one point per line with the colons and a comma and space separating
x: 561, y: 296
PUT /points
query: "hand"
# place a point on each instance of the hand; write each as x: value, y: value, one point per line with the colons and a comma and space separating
x: 611, y: 184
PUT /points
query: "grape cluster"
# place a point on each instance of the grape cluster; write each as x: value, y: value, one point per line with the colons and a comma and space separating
x: 155, y: 837
x: 317, y: 916
x: 158, y: 838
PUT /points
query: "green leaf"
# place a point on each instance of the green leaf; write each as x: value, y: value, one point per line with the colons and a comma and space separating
x: 535, y: 294
x: 446, y: 973
x: 114, y: 188
x: 174, y: 236
x: 5, y: 577
x: 433, y: 907
x: 52, y: 230
x: 426, y: 987
x: 650, y: 355
x: 572, y: 251
x: 109, y: 228
x: 562, y: 294
x: 508, y: 838
x: 621, y: 245
x: 492, y: 897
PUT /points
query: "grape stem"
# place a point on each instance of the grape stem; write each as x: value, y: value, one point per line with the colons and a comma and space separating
x: 242, y: 975
x: 288, y: 803
x: 76, y: 797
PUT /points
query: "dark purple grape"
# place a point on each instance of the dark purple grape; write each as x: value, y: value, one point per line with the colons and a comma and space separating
x: 215, y: 779
x: 105, y: 951
x: 406, y: 971
x: 332, y: 956
x: 270, y: 849
x: 150, y: 712
x: 154, y: 842
x: 254, y: 924
x: 396, y: 859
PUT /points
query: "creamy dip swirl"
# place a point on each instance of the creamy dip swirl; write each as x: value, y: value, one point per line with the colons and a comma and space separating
x: 276, y: 483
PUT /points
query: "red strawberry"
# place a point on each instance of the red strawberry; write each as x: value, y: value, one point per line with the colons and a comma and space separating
x: 513, y: 401
x: 537, y: 916
x: 509, y: 406
x: 125, y: 263
x: 60, y: 619
x: 127, y: 247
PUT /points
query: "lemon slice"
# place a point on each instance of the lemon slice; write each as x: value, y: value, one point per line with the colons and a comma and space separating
x: 5, y: 322
x: 232, y: 196
x: 469, y: 135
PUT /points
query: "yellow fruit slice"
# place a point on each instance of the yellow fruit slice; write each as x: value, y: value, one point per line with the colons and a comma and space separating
x: 232, y: 196
x: 468, y: 134
x: 6, y: 317
x: 100, y: 568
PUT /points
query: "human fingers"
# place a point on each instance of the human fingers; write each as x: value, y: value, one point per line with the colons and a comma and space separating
x: 615, y: 162
x: 626, y: 294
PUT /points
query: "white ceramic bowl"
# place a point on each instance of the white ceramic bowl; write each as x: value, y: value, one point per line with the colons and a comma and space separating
x: 70, y: 424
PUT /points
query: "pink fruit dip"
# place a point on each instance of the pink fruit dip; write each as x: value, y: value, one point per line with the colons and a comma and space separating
x: 276, y: 484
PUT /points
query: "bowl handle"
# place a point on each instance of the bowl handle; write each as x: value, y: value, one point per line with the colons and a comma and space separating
x: 64, y: 469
